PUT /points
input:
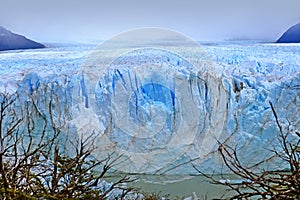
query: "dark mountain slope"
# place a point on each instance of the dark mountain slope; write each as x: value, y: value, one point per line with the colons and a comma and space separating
x: 12, y: 41
x: 292, y: 35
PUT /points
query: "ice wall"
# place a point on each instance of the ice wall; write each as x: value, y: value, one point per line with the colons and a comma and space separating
x: 162, y: 105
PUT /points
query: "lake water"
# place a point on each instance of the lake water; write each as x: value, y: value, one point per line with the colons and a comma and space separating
x: 181, y: 186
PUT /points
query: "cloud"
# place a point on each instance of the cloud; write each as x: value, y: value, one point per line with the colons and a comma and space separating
x: 91, y: 19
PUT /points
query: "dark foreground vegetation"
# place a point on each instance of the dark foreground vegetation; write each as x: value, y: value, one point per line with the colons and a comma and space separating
x: 277, y: 185
x: 40, y: 160
x: 35, y: 163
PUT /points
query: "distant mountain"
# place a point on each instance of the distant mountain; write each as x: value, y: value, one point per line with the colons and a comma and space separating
x: 292, y: 35
x: 12, y: 41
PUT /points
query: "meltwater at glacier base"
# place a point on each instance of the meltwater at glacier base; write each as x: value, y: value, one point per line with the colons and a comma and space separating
x: 162, y: 104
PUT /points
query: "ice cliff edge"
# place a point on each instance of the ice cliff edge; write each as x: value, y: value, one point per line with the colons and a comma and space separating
x: 162, y: 108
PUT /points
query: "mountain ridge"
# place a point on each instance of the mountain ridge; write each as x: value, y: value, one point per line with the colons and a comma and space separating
x: 13, y: 41
x: 291, y: 35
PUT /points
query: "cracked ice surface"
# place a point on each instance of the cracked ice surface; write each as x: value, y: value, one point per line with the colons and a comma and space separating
x: 162, y: 114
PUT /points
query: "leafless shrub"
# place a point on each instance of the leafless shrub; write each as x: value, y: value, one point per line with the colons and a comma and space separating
x: 33, y: 159
x: 267, y: 184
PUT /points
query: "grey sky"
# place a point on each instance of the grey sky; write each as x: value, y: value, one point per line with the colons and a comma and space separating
x: 75, y: 20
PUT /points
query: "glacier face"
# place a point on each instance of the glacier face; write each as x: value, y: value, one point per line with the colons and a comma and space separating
x: 155, y: 109
x: 163, y: 107
x: 154, y: 101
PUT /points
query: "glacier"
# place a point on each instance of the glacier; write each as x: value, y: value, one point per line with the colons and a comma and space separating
x: 162, y: 108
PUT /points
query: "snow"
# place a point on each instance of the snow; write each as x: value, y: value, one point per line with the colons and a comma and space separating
x: 59, y: 62
x: 4, y: 32
x: 162, y: 114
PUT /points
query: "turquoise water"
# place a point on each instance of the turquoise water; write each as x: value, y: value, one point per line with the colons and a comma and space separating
x: 181, y: 186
